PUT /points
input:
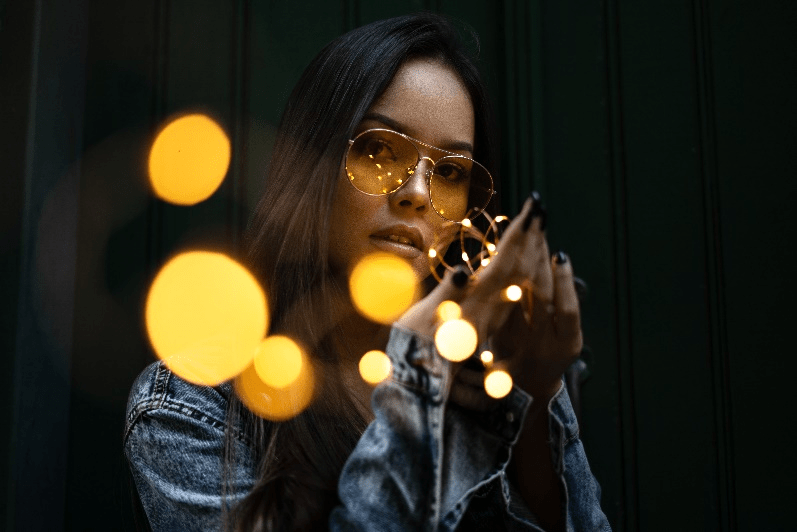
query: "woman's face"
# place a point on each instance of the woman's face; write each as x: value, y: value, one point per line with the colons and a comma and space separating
x: 426, y: 101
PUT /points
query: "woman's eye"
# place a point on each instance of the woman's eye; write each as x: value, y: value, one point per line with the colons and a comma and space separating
x: 378, y: 149
x: 451, y: 172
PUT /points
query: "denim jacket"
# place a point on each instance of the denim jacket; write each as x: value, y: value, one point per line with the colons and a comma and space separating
x: 422, y: 464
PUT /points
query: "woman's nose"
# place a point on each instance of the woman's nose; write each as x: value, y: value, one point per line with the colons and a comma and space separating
x: 415, y: 193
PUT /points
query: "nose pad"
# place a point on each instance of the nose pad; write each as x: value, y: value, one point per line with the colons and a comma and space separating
x: 415, y: 193
x: 428, y: 173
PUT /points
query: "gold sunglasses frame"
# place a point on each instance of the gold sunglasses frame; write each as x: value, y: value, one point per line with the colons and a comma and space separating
x: 429, y: 173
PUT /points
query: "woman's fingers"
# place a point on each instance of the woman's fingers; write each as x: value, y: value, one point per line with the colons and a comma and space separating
x: 565, y: 300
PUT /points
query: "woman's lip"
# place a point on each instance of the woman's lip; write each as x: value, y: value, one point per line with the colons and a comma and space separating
x: 397, y: 248
x: 402, y: 231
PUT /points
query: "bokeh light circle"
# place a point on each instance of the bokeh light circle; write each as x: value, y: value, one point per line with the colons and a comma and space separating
x: 375, y: 367
x: 456, y: 340
x: 205, y: 315
x: 383, y: 287
x: 275, y: 404
x: 498, y: 383
x: 189, y: 159
x: 448, y: 310
x: 278, y: 361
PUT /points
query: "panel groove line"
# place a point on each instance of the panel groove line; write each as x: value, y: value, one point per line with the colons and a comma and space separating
x: 628, y: 515
x: 351, y: 11
x: 525, y: 96
x: 510, y: 148
x: 534, y: 117
x: 714, y: 271
x: 160, y: 76
x: 239, y: 70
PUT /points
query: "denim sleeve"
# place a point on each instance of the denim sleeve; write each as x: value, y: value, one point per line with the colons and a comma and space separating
x: 416, y: 466
x: 426, y: 465
x: 582, y: 491
x: 174, y: 441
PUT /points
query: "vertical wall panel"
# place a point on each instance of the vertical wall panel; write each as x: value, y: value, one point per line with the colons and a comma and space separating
x: 582, y: 148
x: 755, y: 67
x: 45, y: 317
x: 112, y: 258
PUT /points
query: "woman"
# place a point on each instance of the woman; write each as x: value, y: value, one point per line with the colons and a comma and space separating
x: 427, y: 449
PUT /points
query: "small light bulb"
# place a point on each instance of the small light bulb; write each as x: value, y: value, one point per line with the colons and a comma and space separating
x: 486, y: 357
x: 466, y: 222
x: 465, y: 257
x: 485, y: 261
x: 498, y: 384
x: 432, y: 253
x: 490, y: 247
x: 513, y: 292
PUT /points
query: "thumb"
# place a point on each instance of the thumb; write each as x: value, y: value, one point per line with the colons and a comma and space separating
x: 422, y: 317
x: 453, y: 286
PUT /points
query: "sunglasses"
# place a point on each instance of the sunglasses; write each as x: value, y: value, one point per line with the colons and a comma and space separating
x: 381, y: 161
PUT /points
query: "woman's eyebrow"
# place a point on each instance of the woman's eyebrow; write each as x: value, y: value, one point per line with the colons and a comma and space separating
x: 396, y: 126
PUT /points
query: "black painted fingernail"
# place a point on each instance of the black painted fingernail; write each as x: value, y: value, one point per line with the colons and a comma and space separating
x: 560, y: 257
x: 460, y: 278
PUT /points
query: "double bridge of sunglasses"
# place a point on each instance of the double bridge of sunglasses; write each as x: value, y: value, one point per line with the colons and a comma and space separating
x: 380, y: 161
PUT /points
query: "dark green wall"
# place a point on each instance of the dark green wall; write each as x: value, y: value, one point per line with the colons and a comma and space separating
x: 660, y: 134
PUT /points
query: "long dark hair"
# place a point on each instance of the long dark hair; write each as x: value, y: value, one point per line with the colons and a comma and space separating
x: 299, y: 461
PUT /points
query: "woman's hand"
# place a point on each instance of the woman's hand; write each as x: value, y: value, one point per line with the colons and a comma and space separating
x: 542, y: 335
x: 534, y: 340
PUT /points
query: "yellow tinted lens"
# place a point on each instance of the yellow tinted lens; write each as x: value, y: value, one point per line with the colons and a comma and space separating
x: 460, y: 188
x: 378, y: 161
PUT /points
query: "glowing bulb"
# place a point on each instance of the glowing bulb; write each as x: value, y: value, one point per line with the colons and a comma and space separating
x: 382, y: 287
x: 375, y: 367
x: 465, y: 257
x: 485, y: 261
x: 448, y: 310
x: 278, y: 361
x: 486, y: 357
x: 498, y: 384
x: 205, y: 316
x: 466, y: 222
x: 432, y: 253
x: 501, y: 218
x: 379, y: 166
x: 490, y: 247
x: 456, y: 340
x: 513, y: 292
x: 188, y: 160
